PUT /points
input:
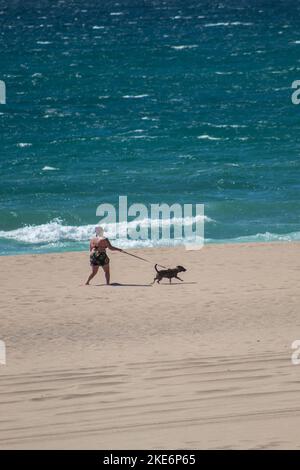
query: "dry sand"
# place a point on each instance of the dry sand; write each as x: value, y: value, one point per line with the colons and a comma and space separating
x: 200, y: 364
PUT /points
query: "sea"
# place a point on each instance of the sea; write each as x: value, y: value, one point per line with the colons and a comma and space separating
x: 162, y: 101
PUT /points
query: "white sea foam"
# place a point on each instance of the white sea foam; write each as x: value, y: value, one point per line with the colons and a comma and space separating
x: 56, y: 232
x: 208, y: 137
x: 134, y: 96
x: 221, y: 126
x: 24, y: 144
x: 260, y: 238
x: 49, y: 168
x: 140, y: 137
x: 55, y: 236
x: 179, y: 48
x: 224, y: 73
x: 233, y: 23
x: 240, y: 23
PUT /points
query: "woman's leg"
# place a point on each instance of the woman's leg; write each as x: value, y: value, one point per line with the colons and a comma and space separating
x: 107, y: 273
x: 93, y: 274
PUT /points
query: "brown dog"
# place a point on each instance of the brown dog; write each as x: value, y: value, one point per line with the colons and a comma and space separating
x: 168, y: 273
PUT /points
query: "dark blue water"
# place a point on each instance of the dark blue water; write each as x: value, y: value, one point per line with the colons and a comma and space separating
x: 162, y: 101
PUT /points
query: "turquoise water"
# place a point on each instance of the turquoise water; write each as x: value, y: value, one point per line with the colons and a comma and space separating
x: 162, y: 101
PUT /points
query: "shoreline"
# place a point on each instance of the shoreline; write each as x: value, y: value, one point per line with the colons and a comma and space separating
x: 154, y: 248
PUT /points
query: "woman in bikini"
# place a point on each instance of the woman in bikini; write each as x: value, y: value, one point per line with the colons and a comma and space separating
x: 98, y: 256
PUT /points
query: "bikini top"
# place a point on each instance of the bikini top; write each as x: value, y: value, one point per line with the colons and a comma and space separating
x: 101, y: 245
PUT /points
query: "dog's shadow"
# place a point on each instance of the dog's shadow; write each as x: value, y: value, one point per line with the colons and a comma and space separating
x: 176, y: 283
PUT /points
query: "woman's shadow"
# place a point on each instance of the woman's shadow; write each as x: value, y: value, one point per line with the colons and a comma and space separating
x: 119, y: 284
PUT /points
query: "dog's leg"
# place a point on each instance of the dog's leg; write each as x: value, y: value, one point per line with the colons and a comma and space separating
x: 179, y: 278
x: 170, y: 280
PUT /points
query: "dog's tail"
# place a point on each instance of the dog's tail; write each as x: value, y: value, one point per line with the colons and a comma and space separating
x: 156, y: 268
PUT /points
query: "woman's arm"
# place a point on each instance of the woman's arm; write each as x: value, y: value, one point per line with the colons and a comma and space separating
x: 111, y: 247
x: 92, y: 244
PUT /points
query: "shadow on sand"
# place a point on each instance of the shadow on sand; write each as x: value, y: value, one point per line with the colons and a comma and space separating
x: 176, y: 283
x: 119, y: 284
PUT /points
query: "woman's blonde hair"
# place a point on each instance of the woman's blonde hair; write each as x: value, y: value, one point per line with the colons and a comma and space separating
x: 99, y: 231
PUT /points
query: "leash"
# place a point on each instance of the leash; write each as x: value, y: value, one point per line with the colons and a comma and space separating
x: 143, y: 259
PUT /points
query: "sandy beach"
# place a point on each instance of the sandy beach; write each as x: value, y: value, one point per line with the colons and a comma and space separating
x: 205, y: 363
